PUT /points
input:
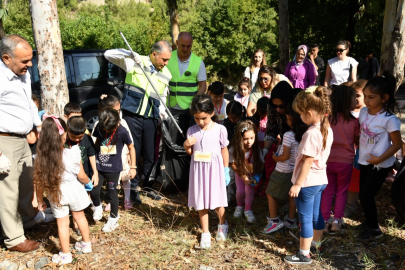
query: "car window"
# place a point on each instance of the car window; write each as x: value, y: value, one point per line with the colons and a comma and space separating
x: 67, y: 69
x: 91, y: 70
x: 35, y: 72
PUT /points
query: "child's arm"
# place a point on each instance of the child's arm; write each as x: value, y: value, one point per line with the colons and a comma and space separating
x: 94, y: 179
x: 285, y: 156
x: 356, y: 140
x: 40, y: 198
x: 396, y: 145
x: 132, y: 154
x: 306, y: 164
x: 225, y: 156
x: 32, y: 136
x: 188, y: 145
x: 82, y: 176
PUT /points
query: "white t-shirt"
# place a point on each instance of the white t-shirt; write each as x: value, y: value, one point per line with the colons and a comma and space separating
x: 340, y: 70
x: 71, y: 161
x: 290, y: 142
x: 254, y: 75
x: 374, y: 136
x: 242, y: 100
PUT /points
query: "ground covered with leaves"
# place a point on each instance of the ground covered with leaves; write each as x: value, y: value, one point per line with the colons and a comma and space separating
x: 165, y: 235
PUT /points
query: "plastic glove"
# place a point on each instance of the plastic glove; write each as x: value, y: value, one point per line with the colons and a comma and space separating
x: 264, y: 152
x: 227, y: 176
x: 163, y: 115
x: 137, y: 58
x: 88, y: 186
x: 256, y: 179
x: 5, y: 165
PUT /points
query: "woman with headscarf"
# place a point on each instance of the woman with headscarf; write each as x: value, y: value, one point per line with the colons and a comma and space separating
x: 267, y: 80
x: 301, y: 72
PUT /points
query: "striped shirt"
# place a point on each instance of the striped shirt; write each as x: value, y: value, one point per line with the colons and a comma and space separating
x: 290, y: 142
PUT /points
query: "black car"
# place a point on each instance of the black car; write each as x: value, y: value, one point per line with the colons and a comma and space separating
x: 88, y: 75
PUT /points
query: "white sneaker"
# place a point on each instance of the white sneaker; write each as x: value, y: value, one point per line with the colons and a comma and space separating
x: 111, y: 224
x: 44, y: 216
x: 62, y: 258
x: 83, y: 247
x: 238, y: 211
x: 273, y: 226
x: 250, y: 217
x: 290, y: 223
x: 222, y: 233
x: 205, y: 241
x: 98, y: 212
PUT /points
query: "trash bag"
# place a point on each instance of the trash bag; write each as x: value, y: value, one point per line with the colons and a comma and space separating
x: 173, y: 165
x: 398, y: 191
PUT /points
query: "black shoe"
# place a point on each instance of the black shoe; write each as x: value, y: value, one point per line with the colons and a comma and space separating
x: 135, y: 198
x: 153, y: 195
x: 316, y: 251
x: 368, y: 233
x: 298, y: 259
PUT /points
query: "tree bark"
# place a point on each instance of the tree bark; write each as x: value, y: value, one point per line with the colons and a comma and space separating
x: 396, y: 49
x: 51, y: 67
x: 2, y: 33
x: 388, y: 27
x: 284, y: 39
x: 174, y: 21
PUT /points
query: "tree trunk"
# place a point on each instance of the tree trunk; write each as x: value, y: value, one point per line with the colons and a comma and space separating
x: 174, y: 21
x: 2, y: 33
x: 388, y: 27
x: 51, y: 67
x: 396, y: 49
x: 284, y: 39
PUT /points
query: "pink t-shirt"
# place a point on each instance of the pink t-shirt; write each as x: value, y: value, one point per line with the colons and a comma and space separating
x: 312, y: 145
x: 343, y: 140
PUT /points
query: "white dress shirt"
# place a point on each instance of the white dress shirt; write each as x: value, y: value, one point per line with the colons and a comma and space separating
x: 18, y: 113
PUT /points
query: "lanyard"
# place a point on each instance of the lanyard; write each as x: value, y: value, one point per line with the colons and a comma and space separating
x: 365, y: 125
x: 106, y: 135
x: 243, y: 101
x: 70, y: 146
x: 203, y: 134
x: 220, y: 107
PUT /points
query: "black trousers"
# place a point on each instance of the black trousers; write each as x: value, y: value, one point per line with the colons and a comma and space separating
x: 143, y: 131
x: 371, y: 182
x: 112, y: 182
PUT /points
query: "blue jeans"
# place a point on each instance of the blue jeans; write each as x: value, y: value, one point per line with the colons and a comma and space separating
x: 308, y: 205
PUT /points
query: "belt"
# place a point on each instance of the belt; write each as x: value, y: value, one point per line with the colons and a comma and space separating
x: 13, y: 135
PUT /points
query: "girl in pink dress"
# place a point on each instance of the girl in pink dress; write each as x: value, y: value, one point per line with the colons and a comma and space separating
x: 207, y: 143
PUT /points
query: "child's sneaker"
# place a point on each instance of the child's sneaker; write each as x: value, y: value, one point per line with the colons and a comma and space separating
x: 111, y: 224
x: 98, y: 212
x: 290, y: 223
x: 298, y: 259
x: 127, y: 204
x: 107, y: 208
x: 249, y: 216
x: 205, y: 242
x: 44, y: 216
x: 273, y: 224
x: 222, y: 233
x: 369, y: 233
x: 62, y: 258
x: 83, y: 247
x: 336, y: 225
x: 328, y: 224
x: 238, y: 211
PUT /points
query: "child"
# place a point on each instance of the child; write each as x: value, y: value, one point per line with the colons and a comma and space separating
x: 309, y: 176
x: 72, y: 109
x: 345, y: 129
x: 57, y: 170
x: 247, y: 161
x: 244, y: 89
x: 280, y: 180
x: 209, y: 172
x: 217, y: 90
x: 354, y: 186
x: 111, y: 101
x: 380, y: 139
x: 111, y: 137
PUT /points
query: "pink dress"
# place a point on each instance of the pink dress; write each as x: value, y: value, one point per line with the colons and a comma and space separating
x: 207, y: 189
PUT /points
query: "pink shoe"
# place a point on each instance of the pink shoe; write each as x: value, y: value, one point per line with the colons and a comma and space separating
x: 127, y: 204
x: 107, y: 208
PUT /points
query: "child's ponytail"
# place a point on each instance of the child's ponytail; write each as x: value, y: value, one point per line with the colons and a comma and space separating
x: 322, y: 93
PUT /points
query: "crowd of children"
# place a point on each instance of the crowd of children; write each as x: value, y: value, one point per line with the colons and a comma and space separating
x: 333, y: 145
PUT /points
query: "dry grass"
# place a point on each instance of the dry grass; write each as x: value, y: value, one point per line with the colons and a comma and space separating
x: 165, y: 235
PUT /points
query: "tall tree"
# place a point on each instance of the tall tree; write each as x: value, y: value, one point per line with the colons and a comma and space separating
x: 3, y: 16
x: 284, y: 39
x: 393, y: 42
x: 174, y: 21
x: 51, y: 67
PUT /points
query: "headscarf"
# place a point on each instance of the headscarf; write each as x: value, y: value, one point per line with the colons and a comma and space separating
x: 305, y: 49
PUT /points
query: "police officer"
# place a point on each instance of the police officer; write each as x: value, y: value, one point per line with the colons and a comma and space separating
x: 140, y: 105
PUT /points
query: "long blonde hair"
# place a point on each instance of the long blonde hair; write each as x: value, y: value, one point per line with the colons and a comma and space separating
x: 252, y: 60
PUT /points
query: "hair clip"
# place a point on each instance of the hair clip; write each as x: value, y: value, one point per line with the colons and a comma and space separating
x: 244, y: 129
x: 311, y: 89
x: 56, y: 120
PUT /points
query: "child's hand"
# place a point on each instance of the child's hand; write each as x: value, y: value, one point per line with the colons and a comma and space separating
x: 42, y: 205
x: 294, y: 191
x: 88, y: 186
x: 190, y: 141
x: 274, y: 157
x: 246, y: 180
x: 373, y: 160
x: 227, y: 176
x: 94, y: 179
x: 132, y: 173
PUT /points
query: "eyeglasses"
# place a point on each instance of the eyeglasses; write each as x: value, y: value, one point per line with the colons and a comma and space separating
x: 264, y: 79
x: 340, y: 50
x: 281, y: 107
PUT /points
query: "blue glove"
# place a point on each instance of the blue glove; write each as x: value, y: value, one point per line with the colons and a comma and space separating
x: 256, y: 177
x: 40, y: 114
x: 356, y: 160
x: 227, y: 176
x: 88, y: 186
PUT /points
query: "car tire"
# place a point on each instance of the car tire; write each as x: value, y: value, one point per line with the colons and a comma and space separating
x: 91, y: 118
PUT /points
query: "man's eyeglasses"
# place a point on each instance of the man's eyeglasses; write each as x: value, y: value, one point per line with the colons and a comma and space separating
x: 264, y: 79
x: 340, y: 50
x: 281, y: 107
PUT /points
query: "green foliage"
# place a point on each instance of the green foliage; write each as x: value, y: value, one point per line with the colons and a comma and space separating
x: 3, y: 13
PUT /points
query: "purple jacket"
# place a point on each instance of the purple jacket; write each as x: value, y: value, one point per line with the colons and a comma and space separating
x: 302, y: 77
